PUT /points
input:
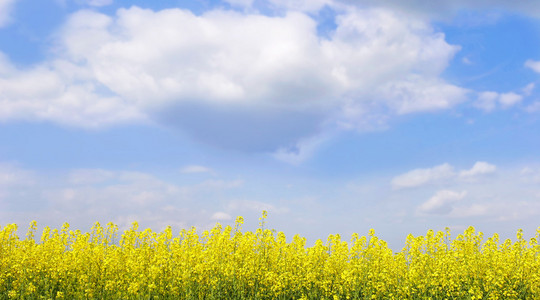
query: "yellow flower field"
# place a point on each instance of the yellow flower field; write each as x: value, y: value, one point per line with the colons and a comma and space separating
x: 227, y: 263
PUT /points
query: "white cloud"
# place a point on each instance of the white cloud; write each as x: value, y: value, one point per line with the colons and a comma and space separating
x: 11, y: 175
x: 220, y: 184
x: 253, y: 206
x: 509, y: 99
x: 526, y: 171
x: 473, y: 210
x: 301, y: 5
x: 534, y: 65
x: 196, y: 169
x: 420, y: 94
x: 443, y: 173
x: 533, y: 107
x: 527, y: 90
x: 89, y: 176
x: 221, y: 216
x: 479, y: 168
x: 99, y: 2
x: 486, y: 101
x: 441, y: 202
x: 241, y: 3
x: 62, y: 92
x: 418, y: 177
x: 6, y: 6
x: 84, y: 196
x: 267, y: 83
x: 530, y: 174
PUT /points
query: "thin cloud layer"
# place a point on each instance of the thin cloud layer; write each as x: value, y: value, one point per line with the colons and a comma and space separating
x: 446, y: 8
x: 439, y: 174
x: 11, y: 175
x: 6, y: 6
x: 84, y: 196
x: 196, y: 169
x: 100, y: 2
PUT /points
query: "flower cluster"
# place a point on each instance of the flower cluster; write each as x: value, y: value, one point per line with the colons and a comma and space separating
x: 227, y: 263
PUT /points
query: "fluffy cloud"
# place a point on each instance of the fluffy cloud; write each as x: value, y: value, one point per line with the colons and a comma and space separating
x: 509, y: 99
x: 62, y: 92
x: 533, y: 65
x: 241, y: 81
x: 488, y: 101
x: 479, y: 168
x: 418, y: 177
x: 441, y: 202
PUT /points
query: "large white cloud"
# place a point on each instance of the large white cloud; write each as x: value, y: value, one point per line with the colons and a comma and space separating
x: 62, y: 92
x: 243, y: 81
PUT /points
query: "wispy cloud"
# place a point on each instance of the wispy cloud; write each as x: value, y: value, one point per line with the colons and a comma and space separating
x: 479, y: 168
x: 100, y: 2
x: 196, y: 169
x: 11, y: 175
x: 441, y: 202
x: 441, y: 174
x: 418, y: 177
x: 533, y: 65
x: 6, y: 7
x: 83, y: 196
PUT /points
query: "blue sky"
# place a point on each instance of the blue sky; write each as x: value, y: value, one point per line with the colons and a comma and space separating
x: 336, y: 116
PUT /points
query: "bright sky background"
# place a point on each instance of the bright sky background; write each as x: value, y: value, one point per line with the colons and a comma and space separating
x: 336, y: 116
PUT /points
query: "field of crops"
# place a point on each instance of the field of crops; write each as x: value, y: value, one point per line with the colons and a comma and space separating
x: 228, y: 263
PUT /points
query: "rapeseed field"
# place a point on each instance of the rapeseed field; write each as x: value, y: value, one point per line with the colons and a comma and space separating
x: 228, y: 263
